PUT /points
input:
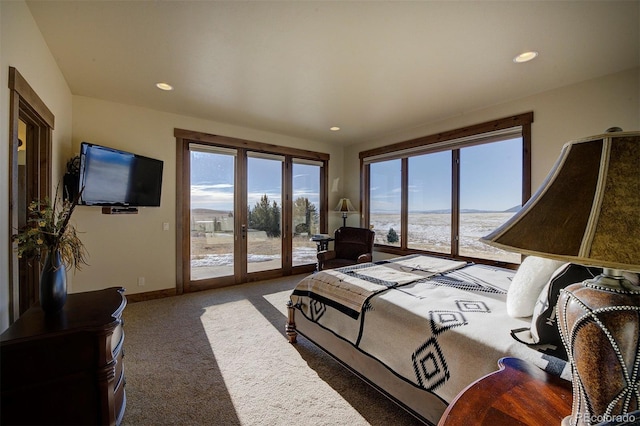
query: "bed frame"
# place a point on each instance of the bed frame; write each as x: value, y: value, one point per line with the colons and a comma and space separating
x: 423, y: 405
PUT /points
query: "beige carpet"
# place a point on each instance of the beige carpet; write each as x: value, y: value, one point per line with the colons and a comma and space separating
x: 220, y: 357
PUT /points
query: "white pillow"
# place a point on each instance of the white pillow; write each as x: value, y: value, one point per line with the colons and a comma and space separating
x: 532, y: 275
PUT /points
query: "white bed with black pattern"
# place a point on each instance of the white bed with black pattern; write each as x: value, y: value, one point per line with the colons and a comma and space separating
x: 418, y: 328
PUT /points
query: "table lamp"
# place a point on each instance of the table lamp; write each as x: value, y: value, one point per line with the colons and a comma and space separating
x: 587, y: 211
x: 345, y: 207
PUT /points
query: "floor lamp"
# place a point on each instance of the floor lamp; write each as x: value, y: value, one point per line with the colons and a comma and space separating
x: 587, y: 211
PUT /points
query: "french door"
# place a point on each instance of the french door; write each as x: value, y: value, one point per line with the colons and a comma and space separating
x: 244, y: 212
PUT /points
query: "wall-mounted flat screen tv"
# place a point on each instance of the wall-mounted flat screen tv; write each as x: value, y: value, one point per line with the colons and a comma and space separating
x: 111, y: 177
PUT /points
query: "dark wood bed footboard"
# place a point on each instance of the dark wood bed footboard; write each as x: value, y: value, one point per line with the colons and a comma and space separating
x: 290, y: 327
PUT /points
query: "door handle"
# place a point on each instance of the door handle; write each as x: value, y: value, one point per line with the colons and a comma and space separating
x: 243, y: 231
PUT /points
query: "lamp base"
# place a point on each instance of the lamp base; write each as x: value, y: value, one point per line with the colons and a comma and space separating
x: 599, y: 322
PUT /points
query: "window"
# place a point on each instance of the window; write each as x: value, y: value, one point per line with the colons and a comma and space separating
x: 429, y: 209
x: 490, y: 193
x: 306, y: 180
x: 384, y: 194
x: 441, y: 193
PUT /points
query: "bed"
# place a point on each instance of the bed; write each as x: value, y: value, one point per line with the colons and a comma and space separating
x: 417, y: 328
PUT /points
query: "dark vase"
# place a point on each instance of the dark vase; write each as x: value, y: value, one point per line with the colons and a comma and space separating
x: 53, y: 284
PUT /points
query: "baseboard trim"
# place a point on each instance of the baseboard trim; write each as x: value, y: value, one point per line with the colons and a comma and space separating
x: 150, y: 295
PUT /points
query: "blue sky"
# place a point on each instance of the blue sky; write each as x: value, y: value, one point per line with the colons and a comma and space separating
x: 213, y: 186
x: 490, y: 179
x: 491, y: 176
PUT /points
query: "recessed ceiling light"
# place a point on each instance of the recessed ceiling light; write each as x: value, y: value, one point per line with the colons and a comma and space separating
x: 525, y: 57
x: 334, y: 128
x: 164, y: 86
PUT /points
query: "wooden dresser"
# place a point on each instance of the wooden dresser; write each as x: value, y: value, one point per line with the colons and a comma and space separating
x: 67, y: 368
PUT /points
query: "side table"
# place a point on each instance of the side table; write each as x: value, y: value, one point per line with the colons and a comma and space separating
x: 322, y: 240
x: 518, y: 394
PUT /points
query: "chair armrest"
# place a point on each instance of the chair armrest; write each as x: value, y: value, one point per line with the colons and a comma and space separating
x: 363, y: 258
x: 326, y: 255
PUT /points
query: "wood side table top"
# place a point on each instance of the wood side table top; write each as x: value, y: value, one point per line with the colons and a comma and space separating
x: 518, y: 394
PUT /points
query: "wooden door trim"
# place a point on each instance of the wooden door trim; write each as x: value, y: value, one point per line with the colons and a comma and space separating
x: 26, y: 105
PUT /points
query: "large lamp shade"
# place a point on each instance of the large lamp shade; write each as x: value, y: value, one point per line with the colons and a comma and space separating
x: 587, y: 211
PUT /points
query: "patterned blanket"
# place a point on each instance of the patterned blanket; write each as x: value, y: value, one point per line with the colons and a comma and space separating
x: 348, y: 288
x: 436, y: 323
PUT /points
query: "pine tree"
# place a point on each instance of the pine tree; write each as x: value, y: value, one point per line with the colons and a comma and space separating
x: 392, y: 236
x: 265, y: 217
x: 274, y: 221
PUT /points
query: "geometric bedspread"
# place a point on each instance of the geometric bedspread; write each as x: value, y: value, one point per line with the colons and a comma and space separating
x: 439, y: 331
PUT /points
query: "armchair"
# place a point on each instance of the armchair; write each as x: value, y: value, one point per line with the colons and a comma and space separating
x: 351, y: 246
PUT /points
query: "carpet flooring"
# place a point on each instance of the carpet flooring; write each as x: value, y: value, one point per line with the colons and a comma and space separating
x: 221, y: 357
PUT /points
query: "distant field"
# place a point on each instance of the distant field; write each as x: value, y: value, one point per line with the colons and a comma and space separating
x: 427, y: 231
x: 432, y: 231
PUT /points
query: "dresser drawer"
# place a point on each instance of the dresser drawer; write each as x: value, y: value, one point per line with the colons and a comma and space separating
x: 120, y: 401
x: 119, y: 371
x: 119, y: 382
x: 117, y: 339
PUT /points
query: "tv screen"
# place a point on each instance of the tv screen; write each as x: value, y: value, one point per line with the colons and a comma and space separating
x: 110, y: 177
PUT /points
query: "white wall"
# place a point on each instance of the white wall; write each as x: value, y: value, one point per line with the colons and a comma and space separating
x: 124, y: 247
x: 22, y: 47
x: 561, y: 115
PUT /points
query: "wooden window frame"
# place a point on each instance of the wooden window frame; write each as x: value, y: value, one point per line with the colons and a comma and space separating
x: 429, y: 143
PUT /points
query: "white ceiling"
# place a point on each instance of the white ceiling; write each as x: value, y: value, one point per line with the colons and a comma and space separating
x: 298, y: 68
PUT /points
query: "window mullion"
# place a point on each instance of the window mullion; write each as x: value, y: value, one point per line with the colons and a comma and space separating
x: 365, y: 194
x: 404, y: 203
x: 455, y: 202
x: 287, y: 214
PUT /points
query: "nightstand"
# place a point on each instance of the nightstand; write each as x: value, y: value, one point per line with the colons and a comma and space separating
x: 518, y: 394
